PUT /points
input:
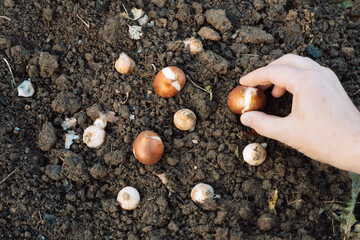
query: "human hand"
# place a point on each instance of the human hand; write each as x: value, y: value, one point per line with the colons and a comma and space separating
x: 323, y: 124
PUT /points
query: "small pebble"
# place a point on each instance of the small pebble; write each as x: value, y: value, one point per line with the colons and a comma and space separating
x: 314, y: 52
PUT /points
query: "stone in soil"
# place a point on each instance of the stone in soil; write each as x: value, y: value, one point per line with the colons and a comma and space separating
x: 254, y: 35
x: 266, y: 222
x: 218, y: 19
x: 209, y: 34
x: 98, y: 171
x: 74, y: 167
x: 48, y: 64
x: 66, y: 103
x: 114, y: 158
x: 53, y: 172
x: 47, y: 137
x: 214, y: 61
x: 313, y: 51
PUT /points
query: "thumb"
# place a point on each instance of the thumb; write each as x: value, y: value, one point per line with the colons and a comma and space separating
x: 267, y: 125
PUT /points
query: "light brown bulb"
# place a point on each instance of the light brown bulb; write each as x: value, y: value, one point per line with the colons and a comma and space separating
x: 169, y: 81
x: 243, y: 99
x: 254, y: 154
x: 201, y: 192
x: 185, y: 120
x: 148, y: 147
x: 195, y: 46
x: 124, y: 64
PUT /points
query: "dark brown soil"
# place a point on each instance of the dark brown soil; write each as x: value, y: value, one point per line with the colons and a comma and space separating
x: 71, y: 194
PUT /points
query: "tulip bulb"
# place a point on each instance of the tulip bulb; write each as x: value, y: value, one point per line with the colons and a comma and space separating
x: 195, y: 46
x: 94, y: 136
x: 201, y: 192
x: 254, y: 154
x: 148, y: 147
x: 243, y: 99
x: 169, y: 81
x: 185, y: 120
x: 128, y: 198
x: 124, y: 64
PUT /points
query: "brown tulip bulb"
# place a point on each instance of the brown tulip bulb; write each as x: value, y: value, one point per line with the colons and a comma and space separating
x: 124, y: 64
x: 243, y: 99
x: 169, y: 81
x: 185, y: 120
x: 148, y: 147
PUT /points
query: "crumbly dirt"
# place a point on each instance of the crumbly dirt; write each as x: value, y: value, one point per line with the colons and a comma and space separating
x: 71, y: 194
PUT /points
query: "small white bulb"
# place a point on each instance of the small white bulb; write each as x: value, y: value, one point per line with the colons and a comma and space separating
x: 93, y: 136
x: 201, y: 192
x: 25, y: 89
x: 254, y: 154
x: 128, y: 198
x: 185, y: 120
x: 125, y: 64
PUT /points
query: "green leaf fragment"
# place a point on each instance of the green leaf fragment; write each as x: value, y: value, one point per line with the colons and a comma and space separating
x: 236, y: 150
x: 272, y: 203
x: 347, y: 4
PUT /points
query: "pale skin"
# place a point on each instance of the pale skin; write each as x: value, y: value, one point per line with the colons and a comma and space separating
x: 323, y: 124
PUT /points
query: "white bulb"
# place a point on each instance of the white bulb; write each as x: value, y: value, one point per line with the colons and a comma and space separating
x: 93, y: 136
x: 201, y: 192
x: 25, y: 89
x: 254, y: 154
x: 128, y: 198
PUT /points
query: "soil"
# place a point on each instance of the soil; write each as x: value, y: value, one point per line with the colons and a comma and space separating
x: 54, y: 193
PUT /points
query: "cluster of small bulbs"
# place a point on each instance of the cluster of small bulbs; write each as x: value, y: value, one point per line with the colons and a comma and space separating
x: 148, y: 147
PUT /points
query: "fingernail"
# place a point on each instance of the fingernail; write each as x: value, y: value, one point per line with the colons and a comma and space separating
x: 245, y: 120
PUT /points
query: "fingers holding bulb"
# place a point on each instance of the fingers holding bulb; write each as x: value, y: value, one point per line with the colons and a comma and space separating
x: 278, y: 92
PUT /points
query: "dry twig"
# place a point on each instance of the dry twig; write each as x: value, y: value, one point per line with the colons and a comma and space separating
x: 127, y: 97
x: 11, y: 173
x: 12, y: 75
x: 207, y: 89
x: 5, y: 17
x: 86, y: 24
